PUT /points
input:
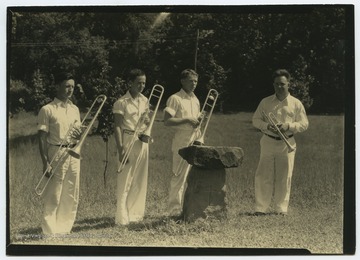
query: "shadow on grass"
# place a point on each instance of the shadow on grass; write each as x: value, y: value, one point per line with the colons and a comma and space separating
x: 14, y: 142
x: 35, y: 234
x: 29, y: 234
x: 255, y: 214
x: 148, y: 224
x: 93, y: 223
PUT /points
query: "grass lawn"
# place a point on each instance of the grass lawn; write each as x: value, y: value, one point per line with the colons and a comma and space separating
x: 315, y: 220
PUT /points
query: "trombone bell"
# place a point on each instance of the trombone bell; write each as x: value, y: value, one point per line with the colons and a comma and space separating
x: 145, y: 138
x: 75, y: 152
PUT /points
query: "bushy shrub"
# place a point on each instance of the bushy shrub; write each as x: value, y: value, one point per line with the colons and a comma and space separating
x: 18, y: 93
x: 301, y: 81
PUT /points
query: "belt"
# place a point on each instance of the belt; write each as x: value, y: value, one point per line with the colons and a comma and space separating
x: 276, y: 137
x: 129, y: 132
x: 65, y: 145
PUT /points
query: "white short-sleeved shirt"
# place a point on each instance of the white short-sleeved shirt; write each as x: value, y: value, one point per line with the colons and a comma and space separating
x: 131, y: 109
x: 56, y: 118
x: 180, y: 105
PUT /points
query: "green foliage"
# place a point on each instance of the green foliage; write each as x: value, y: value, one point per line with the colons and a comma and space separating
x: 234, y: 52
x: 299, y: 87
x: 39, y: 93
x: 17, y: 92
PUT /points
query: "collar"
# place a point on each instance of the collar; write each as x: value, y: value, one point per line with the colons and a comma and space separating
x: 128, y: 96
x: 58, y: 102
x: 183, y: 94
x: 274, y: 98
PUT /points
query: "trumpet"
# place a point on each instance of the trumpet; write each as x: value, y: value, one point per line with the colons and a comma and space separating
x: 204, y: 118
x: 65, y: 146
x: 156, y: 93
x: 271, y: 118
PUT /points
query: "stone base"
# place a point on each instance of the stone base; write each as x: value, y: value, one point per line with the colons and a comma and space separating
x: 205, y: 194
x: 212, y: 157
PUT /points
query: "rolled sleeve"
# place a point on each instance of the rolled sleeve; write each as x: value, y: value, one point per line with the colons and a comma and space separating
x: 43, y: 120
x: 172, y: 105
x: 119, y: 107
x: 169, y: 110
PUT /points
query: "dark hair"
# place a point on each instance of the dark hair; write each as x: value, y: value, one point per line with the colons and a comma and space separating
x: 188, y: 72
x: 134, y: 73
x: 280, y: 73
x: 60, y: 76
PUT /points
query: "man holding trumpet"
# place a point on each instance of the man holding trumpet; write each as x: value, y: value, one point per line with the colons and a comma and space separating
x: 279, y: 117
x: 59, y: 129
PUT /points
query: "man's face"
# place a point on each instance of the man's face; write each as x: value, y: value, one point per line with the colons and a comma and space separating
x: 281, y: 85
x: 66, y: 89
x: 189, y: 83
x: 138, y: 84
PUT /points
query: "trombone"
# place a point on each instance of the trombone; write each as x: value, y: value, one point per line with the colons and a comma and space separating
x: 156, y: 93
x: 64, y: 147
x: 271, y: 118
x: 204, y: 118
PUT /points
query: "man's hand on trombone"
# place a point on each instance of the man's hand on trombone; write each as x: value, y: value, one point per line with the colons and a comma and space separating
x: 47, y: 169
x: 145, y: 117
x: 76, y: 131
x: 194, y: 122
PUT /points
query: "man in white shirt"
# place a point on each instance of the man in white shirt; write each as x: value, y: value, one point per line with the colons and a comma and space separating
x: 61, y: 196
x: 182, y: 112
x: 276, y: 163
x: 132, y: 180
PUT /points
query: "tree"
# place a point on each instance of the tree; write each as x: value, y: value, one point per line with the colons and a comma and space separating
x: 236, y: 52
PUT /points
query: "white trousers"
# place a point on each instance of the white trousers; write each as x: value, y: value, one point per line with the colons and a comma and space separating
x: 178, y: 185
x: 61, y: 196
x: 180, y: 169
x: 132, y: 184
x: 273, y: 175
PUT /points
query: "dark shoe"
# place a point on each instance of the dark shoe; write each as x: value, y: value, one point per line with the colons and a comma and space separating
x: 258, y: 213
x: 177, y: 219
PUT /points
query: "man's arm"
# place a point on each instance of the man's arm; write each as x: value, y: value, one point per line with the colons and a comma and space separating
x: 301, y: 121
x: 43, y: 148
x: 173, y: 121
x: 118, y: 118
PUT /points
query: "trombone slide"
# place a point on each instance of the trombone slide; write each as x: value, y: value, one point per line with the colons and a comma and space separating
x: 64, y: 147
x: 204, y: 118
x: 75, y: 152
x: 156, y: 93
